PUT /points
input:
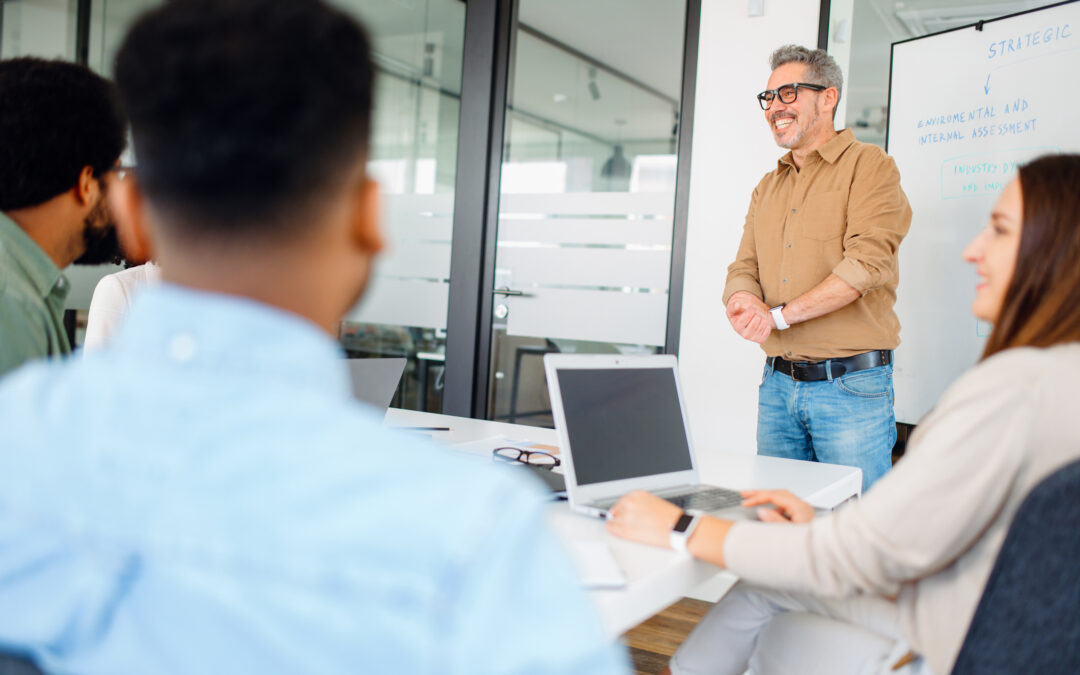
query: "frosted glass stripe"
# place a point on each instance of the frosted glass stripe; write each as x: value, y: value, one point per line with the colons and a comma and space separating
x: 585, y: 267
x: 418, y: 229
x: 415, y: 259
x: 408, y: 287
x: 412, y: 216
x: 405, y: 203
x: 403, y: 302
x: 589, y: 203
x: 587, y: 231
x: 601, y: 316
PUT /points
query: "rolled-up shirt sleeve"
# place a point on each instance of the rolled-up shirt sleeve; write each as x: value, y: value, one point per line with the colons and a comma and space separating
x: 878, y: 218
x: 743, y: 274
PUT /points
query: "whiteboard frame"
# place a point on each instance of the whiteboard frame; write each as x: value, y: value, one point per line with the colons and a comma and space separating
x: 978, y: 25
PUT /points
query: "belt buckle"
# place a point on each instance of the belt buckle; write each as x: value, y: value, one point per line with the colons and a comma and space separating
x: 797, y: 370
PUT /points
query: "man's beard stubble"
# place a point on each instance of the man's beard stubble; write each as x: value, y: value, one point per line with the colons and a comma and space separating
x: 99, y: 235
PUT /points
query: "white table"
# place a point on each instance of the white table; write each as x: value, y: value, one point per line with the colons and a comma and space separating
x: 656, y: 577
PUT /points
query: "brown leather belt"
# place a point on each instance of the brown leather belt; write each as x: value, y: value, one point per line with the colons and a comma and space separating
x: 816, y: 371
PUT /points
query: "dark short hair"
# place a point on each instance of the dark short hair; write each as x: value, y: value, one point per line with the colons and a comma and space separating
x: 245, y: 113
x: 1041, y: 307
x: 56, y: 118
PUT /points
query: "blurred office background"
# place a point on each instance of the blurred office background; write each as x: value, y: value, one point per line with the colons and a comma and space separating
x: 534, y: 161
x: 586, y: 182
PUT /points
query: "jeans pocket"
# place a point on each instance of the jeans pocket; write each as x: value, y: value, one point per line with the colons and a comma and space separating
x: 869, y: 383
x: 764, y: 375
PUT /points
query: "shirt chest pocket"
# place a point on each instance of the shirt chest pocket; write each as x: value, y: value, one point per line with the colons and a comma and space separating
x: 824, y: 215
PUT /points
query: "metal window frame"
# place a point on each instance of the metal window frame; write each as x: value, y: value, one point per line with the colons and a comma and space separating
x: 823, y: 24
x: 82, y: 32
x: 676, y: 281
x: 490, y: 29
x: 486, y: 66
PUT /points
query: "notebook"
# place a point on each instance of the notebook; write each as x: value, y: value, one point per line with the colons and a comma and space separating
x: 622, y: 427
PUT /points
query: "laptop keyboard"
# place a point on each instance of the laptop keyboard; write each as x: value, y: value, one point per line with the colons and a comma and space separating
x: 711, y: 499
x: 698, y: 499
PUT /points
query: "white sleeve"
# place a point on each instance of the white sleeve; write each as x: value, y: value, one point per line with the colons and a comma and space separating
x: 107, y: 307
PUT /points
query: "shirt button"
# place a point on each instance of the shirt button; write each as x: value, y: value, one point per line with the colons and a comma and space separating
x: 788, y: 245
x: 789, y: 353
x: 794, y: 210
x: 785, y: 281
x: 182, y: 347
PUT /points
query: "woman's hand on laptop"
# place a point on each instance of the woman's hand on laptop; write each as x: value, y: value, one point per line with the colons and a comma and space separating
x: 643, y: 517
x: 789, y: 508
x: 640, y: 516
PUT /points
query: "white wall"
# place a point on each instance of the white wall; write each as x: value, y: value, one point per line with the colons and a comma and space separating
x: 732, y: 150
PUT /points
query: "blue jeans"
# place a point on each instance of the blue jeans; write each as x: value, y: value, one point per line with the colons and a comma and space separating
x: 843, y: 420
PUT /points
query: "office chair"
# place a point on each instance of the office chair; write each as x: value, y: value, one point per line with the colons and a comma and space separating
x: 1028, y: 619
x: 17, y: 665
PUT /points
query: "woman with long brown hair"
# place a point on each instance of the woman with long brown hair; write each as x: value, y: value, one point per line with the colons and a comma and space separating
x: 900, y: 572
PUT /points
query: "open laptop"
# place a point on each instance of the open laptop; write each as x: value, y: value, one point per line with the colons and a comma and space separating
x: 374, y: 381
x: 622, y: 427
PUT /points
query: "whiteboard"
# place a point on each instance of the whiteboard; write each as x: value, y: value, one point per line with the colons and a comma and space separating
x: 966, y: 106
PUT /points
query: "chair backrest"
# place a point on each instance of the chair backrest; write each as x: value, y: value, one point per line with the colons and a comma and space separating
x: 1028, y: 619
x: 17, y: 665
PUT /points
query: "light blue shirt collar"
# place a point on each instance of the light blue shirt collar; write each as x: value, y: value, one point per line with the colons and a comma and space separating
x: 205, y: 330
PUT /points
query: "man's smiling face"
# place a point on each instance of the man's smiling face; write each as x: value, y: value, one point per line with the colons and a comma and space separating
x: 801, y: 122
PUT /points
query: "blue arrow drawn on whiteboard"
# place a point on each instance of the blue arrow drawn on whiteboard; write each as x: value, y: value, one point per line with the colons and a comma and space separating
x: 986, y: 87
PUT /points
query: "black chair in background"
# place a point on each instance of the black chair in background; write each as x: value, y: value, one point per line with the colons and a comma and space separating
x: 1028, y: 619
x: 17, y: 665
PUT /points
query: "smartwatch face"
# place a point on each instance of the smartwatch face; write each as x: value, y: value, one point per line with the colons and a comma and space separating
x: 683, y: 522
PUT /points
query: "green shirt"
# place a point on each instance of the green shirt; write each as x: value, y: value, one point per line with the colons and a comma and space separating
x: 32, y: 293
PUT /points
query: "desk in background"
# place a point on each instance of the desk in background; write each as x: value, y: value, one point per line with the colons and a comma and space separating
x: 656, y: 577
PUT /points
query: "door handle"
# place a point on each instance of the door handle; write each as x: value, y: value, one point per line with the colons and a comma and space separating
x: 507, y: 291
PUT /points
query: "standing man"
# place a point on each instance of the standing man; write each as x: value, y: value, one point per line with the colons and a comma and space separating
x: 61, y: 134
x: 814, y: 281
x: 204, y: 495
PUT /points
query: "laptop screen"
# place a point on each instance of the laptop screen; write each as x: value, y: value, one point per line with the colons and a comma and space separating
x: 623, y: 423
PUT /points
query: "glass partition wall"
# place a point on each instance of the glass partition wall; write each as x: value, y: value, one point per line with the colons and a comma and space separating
x: 45, y: 28
x: 587, y: 191
x: 418, y: 52
x: 418, y: 57
x: 582, y: 118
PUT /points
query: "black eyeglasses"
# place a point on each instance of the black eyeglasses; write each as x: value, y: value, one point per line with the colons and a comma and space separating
x: 538, y: 458
x: 121, y: 171
x: 787, y: 93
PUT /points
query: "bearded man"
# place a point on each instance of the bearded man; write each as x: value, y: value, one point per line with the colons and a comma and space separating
x: 814, y: 281
x: 62, y: 132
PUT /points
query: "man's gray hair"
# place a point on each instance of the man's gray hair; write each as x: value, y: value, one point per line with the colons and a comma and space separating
x: 821, y: 68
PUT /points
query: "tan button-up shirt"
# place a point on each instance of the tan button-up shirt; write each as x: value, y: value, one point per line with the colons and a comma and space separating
x: 843, y: 213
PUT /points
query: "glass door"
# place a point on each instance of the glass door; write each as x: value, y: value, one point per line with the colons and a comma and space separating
x: 587, y: 191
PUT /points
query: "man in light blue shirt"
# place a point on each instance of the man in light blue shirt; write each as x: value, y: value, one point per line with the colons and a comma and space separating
x: 203, y: 495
